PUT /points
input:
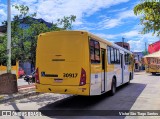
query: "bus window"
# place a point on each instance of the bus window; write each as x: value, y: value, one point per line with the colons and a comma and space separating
x: 97, y: 45
x: 97, y: 55
x: 118, y: 57
x: 109, y: 54
x: 97, y: 52
x: 112, y: 55
x: 94, y: 51
x: 115, y: 56
x: 126, y: 58
x: 92, y: 43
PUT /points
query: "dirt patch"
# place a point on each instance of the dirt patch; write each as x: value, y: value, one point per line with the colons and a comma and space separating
x: 8, y: 83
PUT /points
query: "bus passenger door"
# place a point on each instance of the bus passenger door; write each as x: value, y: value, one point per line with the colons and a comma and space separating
x: 103, y: 52
x: 122, y: 67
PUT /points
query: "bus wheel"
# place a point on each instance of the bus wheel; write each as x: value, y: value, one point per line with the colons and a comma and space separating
x: 153, y: 73
x: 113, y: 87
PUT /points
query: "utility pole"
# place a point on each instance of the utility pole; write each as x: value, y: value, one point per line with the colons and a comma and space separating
x: 8, y: 36
x: 145, y: 47
x: 146, y: 51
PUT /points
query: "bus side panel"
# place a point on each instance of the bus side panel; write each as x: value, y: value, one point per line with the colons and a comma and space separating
x: 131, y: 67
x: 153, y: 68
x: 110, y: 74
x: 96, y: 76
x: 95, y: 86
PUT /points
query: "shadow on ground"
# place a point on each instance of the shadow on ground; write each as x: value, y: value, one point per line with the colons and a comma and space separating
x: 74, y: 106
x: 158, y: 74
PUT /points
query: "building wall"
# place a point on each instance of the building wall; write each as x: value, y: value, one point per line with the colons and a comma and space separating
x: 138, y: 61
x: 124, y: 45
x: 154, y: 47
x: 26, y: 66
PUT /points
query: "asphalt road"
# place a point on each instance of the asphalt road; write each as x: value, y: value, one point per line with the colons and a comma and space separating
x: 143, y: 93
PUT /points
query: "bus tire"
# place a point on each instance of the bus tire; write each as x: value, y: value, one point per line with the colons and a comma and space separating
x: 153, y: 73
x: 113, y: 86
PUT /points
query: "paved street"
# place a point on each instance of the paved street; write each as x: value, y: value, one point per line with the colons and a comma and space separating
x: 143, y: 93
x: 21, y: 82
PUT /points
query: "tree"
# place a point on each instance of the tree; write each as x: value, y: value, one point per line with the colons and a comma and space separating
x: 145, y: 53
x: 67, y: 22
x: 150, y: 16
x: 24, y: 40
x: 3, y: 48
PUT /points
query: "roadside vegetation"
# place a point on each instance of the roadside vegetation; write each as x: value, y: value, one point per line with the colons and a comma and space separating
x: 149, y: 11
x: 24, y: 40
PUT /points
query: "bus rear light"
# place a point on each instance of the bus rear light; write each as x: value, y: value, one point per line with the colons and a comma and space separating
x: 83, y: 77
x: 37, y: 76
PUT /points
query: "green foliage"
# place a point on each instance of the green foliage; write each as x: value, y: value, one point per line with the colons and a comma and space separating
x: 3, y: 48
x: 67, y: 22
x: 150, y: 15
x: 24, y: 10
x: 24, y: 40
x: 145, y: 53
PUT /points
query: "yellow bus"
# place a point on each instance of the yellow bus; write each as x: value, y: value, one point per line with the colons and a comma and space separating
x: 80, y: 63
x: 14, y: 67
x: 152, y: 63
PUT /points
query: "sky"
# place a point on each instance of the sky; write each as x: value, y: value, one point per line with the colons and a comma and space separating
x: 108, y: 19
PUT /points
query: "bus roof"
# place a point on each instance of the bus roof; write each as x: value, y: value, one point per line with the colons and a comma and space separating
x: 96, y: 37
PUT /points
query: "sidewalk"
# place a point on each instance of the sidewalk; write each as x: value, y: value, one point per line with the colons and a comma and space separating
x: 23, y: 92
x: 140, y: 72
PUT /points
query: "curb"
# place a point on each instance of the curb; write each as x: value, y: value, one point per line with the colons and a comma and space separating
x: 22, y: 93
x: 26, y: 86
x: 26, y: 89
x: 13, y: 98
